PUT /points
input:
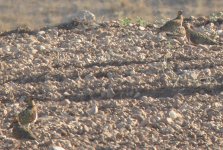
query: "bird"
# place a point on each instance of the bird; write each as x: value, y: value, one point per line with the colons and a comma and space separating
x: 179, y: 32
x: 197, y: 37
x: 172, y: 25
x: 29, y: 115
x: 19, y: 132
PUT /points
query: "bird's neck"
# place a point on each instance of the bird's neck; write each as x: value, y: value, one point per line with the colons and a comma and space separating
x: 179, y: 17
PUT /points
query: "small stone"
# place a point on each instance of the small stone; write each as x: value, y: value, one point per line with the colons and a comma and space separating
x: 41, y: 38
x: 145, y: 122
x: 78, y: 40
x: 120, y: 125
x: 217, y: 104
x: 93, y: 110
x: 41, y: 32
x: 207, y: 72
x: 56, y: 148
x: 110, y: 93
x: 141, y: 28
x: 194, y: 75
x: 174, y: 115
x: 86, y: 129
x: 34, y: 51
x: 66, y: 102
x: 137, y: 95
x: 169, y: 120
x: 41, y: 47
x: 137, y: 48
x: 66, y: 94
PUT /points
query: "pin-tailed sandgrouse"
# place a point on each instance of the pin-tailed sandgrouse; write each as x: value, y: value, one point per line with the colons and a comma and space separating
x: 179, y: 32
x: 19, y: 132
x: 197, y: 37
x: 29, y: 115
x: 172, y: 25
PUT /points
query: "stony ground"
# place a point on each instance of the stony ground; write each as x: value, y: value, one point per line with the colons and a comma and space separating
x: 112, y: 87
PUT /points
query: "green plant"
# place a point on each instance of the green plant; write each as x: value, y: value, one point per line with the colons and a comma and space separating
x: 140, y: 21
x: 214, y: 16
x: 126, y: 21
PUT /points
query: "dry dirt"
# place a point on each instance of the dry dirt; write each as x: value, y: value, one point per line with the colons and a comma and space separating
x: 107, y: 86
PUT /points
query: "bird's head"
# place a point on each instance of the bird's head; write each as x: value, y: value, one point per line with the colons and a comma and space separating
x: 180, y: 12
x: 30, y: 102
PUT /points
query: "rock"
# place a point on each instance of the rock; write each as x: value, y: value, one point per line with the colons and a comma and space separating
x: 66, y: 102
x: 174, y: 115
x: 41, y: 47
x: 34, y: 51
x: 85, y: 128
x: 110, y: 93
x: 93, y: 110
x: 138, y: 94
x: 145, y: 122
x: 56, y: 148
x: 66, y: 94
x: 137, y: 48
x: 141, y: 28
x: 41, y: 32
x: 169, y: 120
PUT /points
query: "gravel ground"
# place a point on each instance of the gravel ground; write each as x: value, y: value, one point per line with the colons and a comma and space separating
x: 112, y: 87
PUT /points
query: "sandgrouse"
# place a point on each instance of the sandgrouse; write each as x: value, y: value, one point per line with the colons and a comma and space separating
x: 179, y: 32
x: 172, y: 25
x: 29, y: 115
x: 197, y: 37
x: 20, y: 132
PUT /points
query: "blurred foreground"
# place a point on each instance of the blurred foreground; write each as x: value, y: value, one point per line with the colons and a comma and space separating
x: 40, y: 13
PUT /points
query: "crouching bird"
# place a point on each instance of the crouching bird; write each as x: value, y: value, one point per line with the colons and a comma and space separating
x: 29, y: 115
x: 174, y: 24
x: 19, y: 132
x: 197, y: 37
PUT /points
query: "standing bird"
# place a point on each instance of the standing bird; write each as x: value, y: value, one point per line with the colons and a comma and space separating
x: 20, y: 132
x: 29, y: 115
x: 197, y: 37
x: 172, y: 25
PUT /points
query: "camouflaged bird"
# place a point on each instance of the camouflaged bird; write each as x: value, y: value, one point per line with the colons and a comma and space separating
x: 172, y: 25
x: 179, y: 32
x: 29, y: 115
x: 197, y: 37
x: 21, y: 133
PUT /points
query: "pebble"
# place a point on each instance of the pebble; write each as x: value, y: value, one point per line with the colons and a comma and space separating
x: 41, y: 32
x: 141, y: 28
x: 41, y: 47
x: 56, y: 148
x: 174, y: 115
x: 93, y: 110
x: 66, y: 102
x: 110, y: 93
